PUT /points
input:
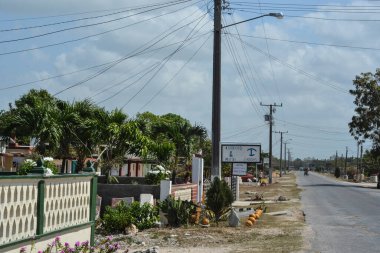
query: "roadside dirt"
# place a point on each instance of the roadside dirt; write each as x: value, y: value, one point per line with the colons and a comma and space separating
x: 283, y: 233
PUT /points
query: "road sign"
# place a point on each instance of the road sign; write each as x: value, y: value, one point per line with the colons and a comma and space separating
x: 241, y: 153
x: 239, y: 169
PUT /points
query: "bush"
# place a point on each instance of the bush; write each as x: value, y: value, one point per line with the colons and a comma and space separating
x: 178, y: 211
x: 157, y: 174
x: 26, y: 166
x: 219, y: 198
x: 116, y: 219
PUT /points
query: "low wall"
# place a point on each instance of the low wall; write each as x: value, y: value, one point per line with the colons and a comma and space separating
x: 110, y: 191
x: 123, y: 180
x: 185, y: 191
x: 34, y: 207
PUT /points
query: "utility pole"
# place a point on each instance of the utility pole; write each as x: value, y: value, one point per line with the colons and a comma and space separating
x: 336, y: 159
x: 285, y: 154
x: 361, y: 159
x: 216, y: 91
x: 357, y: 161
x: 279, y: 132
x: 270, y: 119
x: 345, y: 163
x: 216, y: 83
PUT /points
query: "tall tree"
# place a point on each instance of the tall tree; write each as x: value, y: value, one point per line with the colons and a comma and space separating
x: 366, y: 123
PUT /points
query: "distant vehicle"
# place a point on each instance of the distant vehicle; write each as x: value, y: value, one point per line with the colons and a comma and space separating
x: 250, y: 177
x: 301, y: 168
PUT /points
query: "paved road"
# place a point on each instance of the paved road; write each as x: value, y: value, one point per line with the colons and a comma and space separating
x: 342, y: 216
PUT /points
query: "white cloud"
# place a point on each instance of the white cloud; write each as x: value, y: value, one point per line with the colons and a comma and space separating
x: 305, y: 101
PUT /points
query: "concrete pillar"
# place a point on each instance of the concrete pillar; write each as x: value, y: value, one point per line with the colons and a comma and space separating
x: 165, y: 189
x: 197, y: 176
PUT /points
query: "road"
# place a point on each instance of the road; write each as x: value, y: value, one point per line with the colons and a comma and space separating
x: 343, y: 217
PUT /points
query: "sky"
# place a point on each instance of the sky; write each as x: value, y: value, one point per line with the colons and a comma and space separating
x: 157, y: 56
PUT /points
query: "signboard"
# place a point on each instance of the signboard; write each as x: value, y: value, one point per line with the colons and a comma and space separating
x: 241, y: 153
x: 239, y: 169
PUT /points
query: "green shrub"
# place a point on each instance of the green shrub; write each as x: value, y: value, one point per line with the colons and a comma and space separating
x: 116, y: 219
x: 153, y: 179
x: 157, y: 174
x: 178, y: 211
x: 219, y: 198
x: 26, y: 166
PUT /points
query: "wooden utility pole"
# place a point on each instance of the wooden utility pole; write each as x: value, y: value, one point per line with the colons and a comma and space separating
x: 345, y: 163
x: 216, y: 91
x: 281, y: 151
x: 270, y: 119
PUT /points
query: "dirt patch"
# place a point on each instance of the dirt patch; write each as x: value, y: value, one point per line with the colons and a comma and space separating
x: 282, y: 233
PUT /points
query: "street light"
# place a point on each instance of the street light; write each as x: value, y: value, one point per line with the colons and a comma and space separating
x: 278, y: 15
x: 216, y: 86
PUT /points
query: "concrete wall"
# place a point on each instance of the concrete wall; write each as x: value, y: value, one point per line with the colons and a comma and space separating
x: 123, y: 180
x: 109, y: 191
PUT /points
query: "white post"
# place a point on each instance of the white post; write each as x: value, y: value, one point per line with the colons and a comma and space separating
x: 165, y: 189
x: 197, y: 175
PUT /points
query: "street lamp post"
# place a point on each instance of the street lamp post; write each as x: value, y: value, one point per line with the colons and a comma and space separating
x: 216, y: 87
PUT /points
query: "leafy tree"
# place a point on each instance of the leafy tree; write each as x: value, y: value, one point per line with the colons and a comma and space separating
x: 34, y: 116
x: 366, y: 121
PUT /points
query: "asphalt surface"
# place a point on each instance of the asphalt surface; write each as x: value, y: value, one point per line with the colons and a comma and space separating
x: 343, y: 217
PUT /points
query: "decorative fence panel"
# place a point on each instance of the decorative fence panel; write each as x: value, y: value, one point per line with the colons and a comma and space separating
x: 34, y: 207
x: 66, y: 203
x: 18, y: 209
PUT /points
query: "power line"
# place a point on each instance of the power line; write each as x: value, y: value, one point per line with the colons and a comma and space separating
x: 180, y: 47
x: 300, y: 71
x: 83, y: 26
x: 251, y: 66
x: 269, y: 59
x: 244, y: 131
x: 307, y: 42
x: 92, y: 35
x: 137, y: 52
x: 64, y: 15
x: 317, y: 18
x: 86, y: 18
x: 241, y: 70
x: 312, y: 127
x: 168, y: 82
x: 319, y: 138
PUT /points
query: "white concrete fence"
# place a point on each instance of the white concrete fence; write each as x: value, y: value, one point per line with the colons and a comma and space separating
x: 37, y: 208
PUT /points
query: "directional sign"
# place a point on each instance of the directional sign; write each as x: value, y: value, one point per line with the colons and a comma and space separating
x: 241, y: 153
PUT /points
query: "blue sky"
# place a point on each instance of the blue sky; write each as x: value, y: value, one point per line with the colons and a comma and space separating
x: 306, y: 61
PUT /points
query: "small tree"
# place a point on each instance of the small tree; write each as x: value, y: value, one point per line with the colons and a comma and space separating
x: 219, y: 198
x: 337, y: 172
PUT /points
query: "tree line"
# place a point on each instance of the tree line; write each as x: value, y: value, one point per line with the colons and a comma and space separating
x: 79, y: 129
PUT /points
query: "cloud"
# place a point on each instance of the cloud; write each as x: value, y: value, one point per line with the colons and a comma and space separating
x: 288, y: 77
